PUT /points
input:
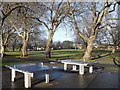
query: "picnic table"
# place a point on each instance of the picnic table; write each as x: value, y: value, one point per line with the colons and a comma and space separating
x: 29, y: 69
x: 79, y: 62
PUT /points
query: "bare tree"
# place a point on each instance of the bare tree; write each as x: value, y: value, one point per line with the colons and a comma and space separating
x: 37, y: 38
x: 21, y: 23
x: 24, y: 28
x: 114, y: 32
x: 78, y: 40
x: 7, y: 33
x: 17, y: 14
x: 15, y: 43
x: 55, y: 13
x: 5, y: 10
x: 97, y: 22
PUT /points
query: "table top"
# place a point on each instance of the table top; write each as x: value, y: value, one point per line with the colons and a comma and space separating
x: 30, y: 67
x: 70, y: 60
x: 77, y: 61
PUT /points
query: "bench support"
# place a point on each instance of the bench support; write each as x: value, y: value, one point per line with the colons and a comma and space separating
x: 65, y: 66
x: 27, y: 79
x: 47, y: 77
x: 74, y: 67
x: 91, y: 69
x: 13, y: 75
x: 81, y: 69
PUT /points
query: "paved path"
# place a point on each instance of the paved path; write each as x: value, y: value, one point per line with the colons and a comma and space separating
x: 61, y: 79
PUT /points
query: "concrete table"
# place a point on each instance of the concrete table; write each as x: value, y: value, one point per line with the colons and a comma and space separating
x: 80, y: 63
x: 28, y: 70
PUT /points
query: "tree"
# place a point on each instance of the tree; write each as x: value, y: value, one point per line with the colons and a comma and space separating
x: 68, y: 44
x: 78, y: 40
x: 21, y: 22
x: 115, y: 33
x: 112, y: 34
x: 37, y: 39
x: 15, y: 43
x: 55, y: 13
x: 7, y: 33
x: 57, y: 45
x: 97, y: 21
x: 5, y: 10
x: 24, y: 29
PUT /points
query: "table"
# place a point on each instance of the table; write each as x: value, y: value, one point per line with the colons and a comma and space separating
x: 28, y: 69
x: 81, y: 63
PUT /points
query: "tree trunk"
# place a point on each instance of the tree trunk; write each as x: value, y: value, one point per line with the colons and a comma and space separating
x: 49, y: 44
x: 24, y: 48
x: 1, y: 46
x: 114, y: 49
x: 13, y: 48
x: 1, y: 24
x: 89, y: 49
x: 4, y: 46
x: 20, y: 47
x: 1, y: 51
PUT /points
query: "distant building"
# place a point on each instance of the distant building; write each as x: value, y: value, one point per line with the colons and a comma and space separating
x: 96, y: 46
x: 40, y: 48
x: 79, y: 46
x: 104, y: 46
x: 68, y: 45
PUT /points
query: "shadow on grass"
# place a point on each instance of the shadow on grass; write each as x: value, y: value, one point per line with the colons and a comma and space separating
x: 64, y: 52
x: 101, y: 51
x: 101, y: 56
x: 116, y: 61
x: 11, y: 55
x: 64, y: 57
x: 67, y: 51
x: 5, y: 55
x: 67, y: 56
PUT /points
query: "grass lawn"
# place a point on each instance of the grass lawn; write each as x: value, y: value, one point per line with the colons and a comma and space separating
x: 101, y: 56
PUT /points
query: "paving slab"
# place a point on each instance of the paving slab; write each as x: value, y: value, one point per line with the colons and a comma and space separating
x: 62, y: 79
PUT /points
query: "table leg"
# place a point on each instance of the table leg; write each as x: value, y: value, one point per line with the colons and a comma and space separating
x: 42, y: 63
x: 74, y: 67
x: 81, y: 69
x: 65, y: 66
x: 91, y: 69
x: 27, y: 79
x: 47, y: 77
x: 13, y: 74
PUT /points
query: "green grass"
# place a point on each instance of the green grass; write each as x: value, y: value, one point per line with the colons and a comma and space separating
x: 36, y: 56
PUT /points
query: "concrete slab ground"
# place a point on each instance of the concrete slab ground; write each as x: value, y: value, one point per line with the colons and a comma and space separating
x: 62, y: 79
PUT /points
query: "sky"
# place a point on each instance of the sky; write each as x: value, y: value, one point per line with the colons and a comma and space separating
x: 62, y: 35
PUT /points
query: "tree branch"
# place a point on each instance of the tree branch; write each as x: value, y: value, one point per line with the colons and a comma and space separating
x: 16, y: 29
x: 106, y: 25
x: 40, y: 21
x: 112, y: 9
x: 76, y: 26
x: 110, y: 19
x: 8, y: 13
